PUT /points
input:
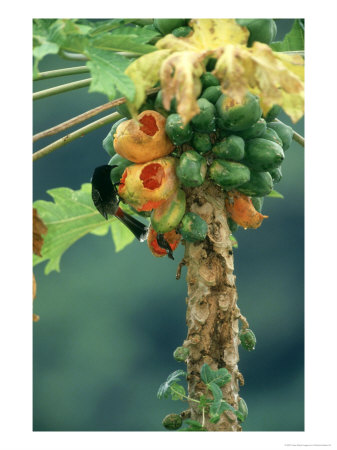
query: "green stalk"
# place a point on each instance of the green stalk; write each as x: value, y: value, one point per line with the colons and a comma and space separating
x: 76, y: 134
x: 60, y: 89
x: 297, y: 137
x: 61, y: 72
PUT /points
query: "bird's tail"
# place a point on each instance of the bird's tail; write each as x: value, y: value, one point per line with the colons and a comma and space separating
x: 135, y: 226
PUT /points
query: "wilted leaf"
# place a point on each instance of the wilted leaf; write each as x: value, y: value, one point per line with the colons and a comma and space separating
x: 144, y: 72
x: 71, y: 216
x: 208, y: 34
x: 180, y: 73
x: 35, y: 316
x: 39, y: 228
x: 275, y: 78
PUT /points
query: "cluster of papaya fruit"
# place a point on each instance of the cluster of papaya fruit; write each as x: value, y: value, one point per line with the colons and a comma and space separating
x: 157, y: 157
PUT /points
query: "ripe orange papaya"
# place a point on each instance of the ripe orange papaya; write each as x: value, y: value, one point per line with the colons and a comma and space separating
x: 144, y: 139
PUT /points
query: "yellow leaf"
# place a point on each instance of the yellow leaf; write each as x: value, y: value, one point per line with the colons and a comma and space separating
x: 275, y: 79
x: 144, y: 72
x: 208, y: 34
x: 180, y: 78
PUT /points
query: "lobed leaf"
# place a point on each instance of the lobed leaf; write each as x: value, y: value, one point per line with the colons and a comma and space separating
x: 144, y: 72
x: 275, y: 78
x: 165, y: 388
x: 108, y: 73
x: 220, y: 377
x: 69, y: 217
x: 177, y: 391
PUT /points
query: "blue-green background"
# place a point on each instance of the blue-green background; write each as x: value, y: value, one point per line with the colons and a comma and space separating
x: 110, y: 321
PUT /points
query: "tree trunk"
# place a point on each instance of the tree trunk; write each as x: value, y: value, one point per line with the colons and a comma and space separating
x: 212, y: 314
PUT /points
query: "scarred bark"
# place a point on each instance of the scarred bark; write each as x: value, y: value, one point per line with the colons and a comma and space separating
x: 212, y: 313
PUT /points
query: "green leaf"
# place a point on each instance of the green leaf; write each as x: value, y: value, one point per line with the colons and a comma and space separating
x: 203, y: 402
x: 165, y: 388
x: 216, y: 391
x: 69, y: 35
x: 234, y: 241
x: 218, y: 407
x: 126, y: 39
x: 275, y: 194
x: 121, y: 236
x: 107, y: 71
x: 193, y: 426
x: 107, y: 25
x: 69, y: 217
x: 177, y: 391
x: 294, y: 40
x: 40, y: 51
x: 219, y: 377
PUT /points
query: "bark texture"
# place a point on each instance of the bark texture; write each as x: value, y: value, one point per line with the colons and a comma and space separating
x: 212, y: 313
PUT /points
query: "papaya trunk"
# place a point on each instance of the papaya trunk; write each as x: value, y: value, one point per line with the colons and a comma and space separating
x: 212, y: 312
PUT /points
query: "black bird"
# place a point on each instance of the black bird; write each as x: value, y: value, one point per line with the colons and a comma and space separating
x: 106, y: 200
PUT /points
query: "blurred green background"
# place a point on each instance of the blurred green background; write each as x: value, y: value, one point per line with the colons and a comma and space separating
x: 111, y: 321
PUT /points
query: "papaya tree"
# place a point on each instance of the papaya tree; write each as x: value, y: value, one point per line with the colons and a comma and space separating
x: 193, y: 147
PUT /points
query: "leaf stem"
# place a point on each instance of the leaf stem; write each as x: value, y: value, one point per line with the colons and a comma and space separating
x: 82, y: 117
x: 73, y: 56
x: 293, y: 52
x: 60, y: 89
x: 297, y: 137
x: 76, y: 134
x: 61, y: 72
x: 182, y: 395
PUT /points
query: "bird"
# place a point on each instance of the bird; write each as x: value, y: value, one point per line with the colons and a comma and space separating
x: 106, y: 200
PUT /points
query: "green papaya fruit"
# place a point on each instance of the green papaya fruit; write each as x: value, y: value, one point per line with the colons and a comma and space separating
x: 208, y: 79
x: 191, y: 169
x: 201, y: 142
x: 180, y: 354
x: 259, y: 185
x: 147, y: 106
x: 257, y: 203
x: 228, y: 174
x: 108, y: 141
x: 167, y: 217
x: 123, y: 110
x: 231, y: 147
x: 210, y: 65
x: 262, y: 155
x: 204, y: 122
x: 172, y: 422
x: 177, y: 132
x: 193, y: 228
x: 276, y: 174
x: 117, y: 172
x: 271, y: 135
x: 165, y: 26
x: 243, y: 408
x: 247, y: 339
x: 284, y: 131
x: 238, y: 117
x: 211, y: 93
x: 159, y: 107
x: 254, y: 131
x: 262, y: 30
x: 182, y: 31
x: 272, y: 113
